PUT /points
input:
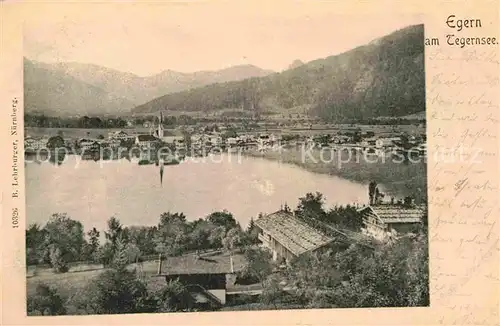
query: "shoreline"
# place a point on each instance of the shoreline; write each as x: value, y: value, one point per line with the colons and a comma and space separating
x: 407, y: 179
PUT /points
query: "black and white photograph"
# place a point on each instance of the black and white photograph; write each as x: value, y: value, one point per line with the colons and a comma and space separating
x: 186, y: 159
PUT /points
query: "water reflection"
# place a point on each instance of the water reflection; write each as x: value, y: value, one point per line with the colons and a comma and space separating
x: 196, y: 187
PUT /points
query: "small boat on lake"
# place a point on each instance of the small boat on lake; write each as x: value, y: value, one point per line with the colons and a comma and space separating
x: 171, y: 162
x: 145, y: 162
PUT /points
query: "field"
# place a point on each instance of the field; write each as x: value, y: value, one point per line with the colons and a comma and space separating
x: 73, y: 281
x: 70, y: 284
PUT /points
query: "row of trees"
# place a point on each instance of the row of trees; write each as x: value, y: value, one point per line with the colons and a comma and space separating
x: 116, y: 290
x: 63, y: 240
x: 44, y: 121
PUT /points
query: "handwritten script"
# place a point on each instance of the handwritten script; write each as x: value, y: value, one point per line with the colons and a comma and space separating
x: 463, y: 112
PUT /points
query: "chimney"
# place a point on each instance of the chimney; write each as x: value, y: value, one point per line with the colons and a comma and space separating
x: 232, y: 265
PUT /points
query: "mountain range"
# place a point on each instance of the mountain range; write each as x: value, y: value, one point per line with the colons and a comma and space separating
x: 76, y: 88
x: 385, y: 77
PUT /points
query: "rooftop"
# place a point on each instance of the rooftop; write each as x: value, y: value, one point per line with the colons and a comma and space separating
x: 146, y: 138
x: 292, y: 233
x: 397, y: 214
x: 214, y: 263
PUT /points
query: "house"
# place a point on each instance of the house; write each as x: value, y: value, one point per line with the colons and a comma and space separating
x: 114, y: 143
x: 146, y: 140
x: 339, y: 139
x: 34, y: 144
x: 288, y: 237
x: 119, y: 135
x: 89, y: 145
x: 386, y: 142
x: 232, y: 141
x: 216, y: 140
x: 173, y: 139
x: 370, y: 142
x: 385, y: 220
x: 205, y: 276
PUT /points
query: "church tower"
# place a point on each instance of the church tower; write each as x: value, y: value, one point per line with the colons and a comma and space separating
x: 160, y: 126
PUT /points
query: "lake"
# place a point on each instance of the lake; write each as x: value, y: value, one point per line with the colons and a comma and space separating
x: 91, y: 192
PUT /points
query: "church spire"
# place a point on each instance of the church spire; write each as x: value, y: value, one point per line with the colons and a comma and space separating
x: 160, y: 125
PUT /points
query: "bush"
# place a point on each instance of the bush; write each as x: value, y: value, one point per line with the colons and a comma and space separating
x: 174, y: 297
x: 57, y: 261
x: 115, y: 292
x: 45, y: 302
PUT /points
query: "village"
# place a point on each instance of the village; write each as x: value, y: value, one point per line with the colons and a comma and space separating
x: 202, y: 140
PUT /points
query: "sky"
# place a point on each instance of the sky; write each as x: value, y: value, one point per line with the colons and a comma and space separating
x: 148, y: 38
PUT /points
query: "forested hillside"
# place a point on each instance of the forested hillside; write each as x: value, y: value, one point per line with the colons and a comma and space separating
x: 383, y: 78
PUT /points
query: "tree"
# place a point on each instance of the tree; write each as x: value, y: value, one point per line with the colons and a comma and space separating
x: 259, y: 264
x: 168, y: 218
x: 114, y: 230
x: 45, y: 302
x: 372, y: 189
x: 233, y: 239
x: 251, y: 225
x: 174, y: 297
x: 200, y: 234
x: 115, y: 291
x: 105, y: 254
x: 394, y: 276
x: 65, y: 234
x: 321, y: 299
x: 121, y: 257
x: 93, y: 245
x: 133, y: 253
x: 230, y: 133
x: 216, y: 236
x: 57, y: 260
x: 312, y: 272
x: 223, y: 218
x: 171, y: 237
x: 418, y: 272
x: 271, y: 292
x: 55, y: 142
x: 346, y: 217
x: 349, y: 262
x: 252, y: 232
x: 311, y: 206
x: 35, y: 238
x: 143, y: 238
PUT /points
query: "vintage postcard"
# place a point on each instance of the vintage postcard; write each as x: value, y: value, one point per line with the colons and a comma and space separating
x: 205, y: 162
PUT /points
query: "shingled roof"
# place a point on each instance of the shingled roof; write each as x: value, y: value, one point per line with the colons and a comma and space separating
x: 291, y: 233
x: 146, y: 138
x: 219, y: 263
x: 395, y: 214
